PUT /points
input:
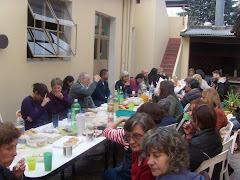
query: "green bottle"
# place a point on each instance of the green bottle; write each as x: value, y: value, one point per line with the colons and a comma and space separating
x: 120, y: 95
x: 75, y: 109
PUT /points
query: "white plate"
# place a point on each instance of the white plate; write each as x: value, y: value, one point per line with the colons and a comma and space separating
x: 59, y: 143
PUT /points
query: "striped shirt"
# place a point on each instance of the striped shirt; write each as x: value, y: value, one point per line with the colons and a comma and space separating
x: 116, y: 135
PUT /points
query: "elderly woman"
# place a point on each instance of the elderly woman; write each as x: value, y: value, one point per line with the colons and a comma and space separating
x: 8, y: 141
x: 167, y: 155
x: 33, y: 107
x: 59, y: 101
x: 135, y: 128
x: 166, y: 104
x: 124, y: 82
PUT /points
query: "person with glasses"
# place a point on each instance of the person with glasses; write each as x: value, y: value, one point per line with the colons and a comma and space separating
x: 167, y: 155
x: 135, y: 128
x: 33, y: 107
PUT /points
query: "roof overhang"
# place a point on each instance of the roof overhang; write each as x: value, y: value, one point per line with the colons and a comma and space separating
x: 176, y: 3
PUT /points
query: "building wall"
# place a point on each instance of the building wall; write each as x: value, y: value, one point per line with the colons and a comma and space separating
x: 185, y: 57
x: 18, y: 75
x: 151, y: 34
x: 175, y: 26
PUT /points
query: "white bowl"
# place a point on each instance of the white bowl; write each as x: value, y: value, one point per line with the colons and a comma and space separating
x: 135, y: 100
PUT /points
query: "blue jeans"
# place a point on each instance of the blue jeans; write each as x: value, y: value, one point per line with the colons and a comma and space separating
x: 111, y: 174
x: 236, y: 124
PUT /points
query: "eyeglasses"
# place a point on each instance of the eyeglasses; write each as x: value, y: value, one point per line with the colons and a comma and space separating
x: 135, y: 137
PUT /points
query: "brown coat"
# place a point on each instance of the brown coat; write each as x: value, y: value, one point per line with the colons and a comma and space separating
x: 222, y: 120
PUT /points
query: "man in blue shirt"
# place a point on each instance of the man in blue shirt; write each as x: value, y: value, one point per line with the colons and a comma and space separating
x: 101, y: 93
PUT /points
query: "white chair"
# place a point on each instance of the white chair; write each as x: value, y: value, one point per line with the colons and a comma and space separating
x: 227, y: 146
x: 229, y: 117
x: 180, y: 124
x: 225, y: 132
x: 210, y: 163
x: 1, y: 120
x: 172, y: 126
x: 235, y: 133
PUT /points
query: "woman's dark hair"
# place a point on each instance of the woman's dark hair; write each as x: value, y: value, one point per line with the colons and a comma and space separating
x: 143, y: 119
x: 153, y: 76
x: 168, y: 141
x: 205, y: 115
x: 201, y: 73
x: 65, y: 83
x: 40, y: 88
x: 154, y: 110
x: 139, y: 76
x: 8, y: 132
x: 193, y: 83
x: 166, y: 89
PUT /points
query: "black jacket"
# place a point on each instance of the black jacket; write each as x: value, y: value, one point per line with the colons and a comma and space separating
x: 203, y: 145
x: 222, y: 87
x: 6, y: 174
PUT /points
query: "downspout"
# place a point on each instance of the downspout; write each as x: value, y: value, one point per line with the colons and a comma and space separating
x: 131, y: 13
x: 122, y: 68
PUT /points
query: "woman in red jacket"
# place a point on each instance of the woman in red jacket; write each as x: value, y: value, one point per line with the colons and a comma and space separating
x: 135, y: 128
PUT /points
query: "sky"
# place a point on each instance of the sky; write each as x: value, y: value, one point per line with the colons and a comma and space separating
x: 172, y: 11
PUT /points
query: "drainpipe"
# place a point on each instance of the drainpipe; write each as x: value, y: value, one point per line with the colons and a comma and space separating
x: 130, y: 50
x: 219, y: 13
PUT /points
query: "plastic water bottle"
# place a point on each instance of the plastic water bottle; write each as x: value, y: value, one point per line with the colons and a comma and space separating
x: 115, y: 101
x: 139, y: 90
x: 120, y: 95
x: 75, y: 109
x: 110, y: 103
x: 80, y: 118
x: 110, y: 117
x: 151, y: 92
x: 69, y: 118
x: 20, y: 125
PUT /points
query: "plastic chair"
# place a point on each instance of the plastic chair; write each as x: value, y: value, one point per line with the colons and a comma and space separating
x: 229, y: 117
x: 227, y: 146
x: 172, y: 126
x: 225, y: 132
x: 180, y: 124
x: 210, y: 163
x: 1, y: 120
x: 235, y: 133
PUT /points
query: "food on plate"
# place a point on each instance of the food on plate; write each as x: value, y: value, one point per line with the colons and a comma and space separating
x: 37, y: 154
x: 90, y: 114
x: 122, y: 107
x: 31, y: 131
x: 73, y: 141
x: 21, y: 148
x: 36, y: 140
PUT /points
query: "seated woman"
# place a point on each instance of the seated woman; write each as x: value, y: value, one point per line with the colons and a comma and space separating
x: 167, y: 155
x: 135, y: 128
x: 33, y: 107
x: 8, y: 145
x: 206, y: 142
x: 167, y: 91
x: 166, y: 104
x: 59, y: 101
x: 67, y: 83
x: 124, y: 82
x: 210, y: 96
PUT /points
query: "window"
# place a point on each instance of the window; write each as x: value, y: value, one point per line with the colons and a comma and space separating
x: 48, y: 23
x: 101, y: 42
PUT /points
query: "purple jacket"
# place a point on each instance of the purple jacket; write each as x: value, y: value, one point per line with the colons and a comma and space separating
x: 33, y: 108
x: 59, y: 106
x: 186, y: 175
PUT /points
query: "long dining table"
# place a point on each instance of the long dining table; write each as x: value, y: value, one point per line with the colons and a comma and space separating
x: 59, y: 162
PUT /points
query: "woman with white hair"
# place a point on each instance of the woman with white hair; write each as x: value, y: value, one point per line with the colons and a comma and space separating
x: 124, y: 82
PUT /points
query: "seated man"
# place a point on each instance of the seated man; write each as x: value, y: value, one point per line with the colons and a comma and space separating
x: 82, y: 91
x: 101, y: 93
x: 221, y: 84
x: 134, y: 82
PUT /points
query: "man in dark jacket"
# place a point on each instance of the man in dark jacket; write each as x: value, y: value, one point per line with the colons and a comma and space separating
x: 221, y: 84
x: 101, y: 93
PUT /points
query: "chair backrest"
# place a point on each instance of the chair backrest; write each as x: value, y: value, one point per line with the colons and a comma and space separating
x: 172, y: 126
x: 1, y: 120
x: 210, y: 163
x: 229, y: 117
x: 180, y: 124
x: 227, y: 145
x: 235, y: 133
x: 225, y: 132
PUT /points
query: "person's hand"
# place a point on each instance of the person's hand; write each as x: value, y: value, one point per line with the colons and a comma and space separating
x: 188, y: 128
x: 156, y: 93
x: 19, y: 169
x: 213, y: 85
x: 97, y: 78
x: 233, y: 106
x: 59, y: 95
x: 123, y: 119
x: 179, y: 96
x: 29, y: 119
x: 45, y: 100
x: 126, y: 83
x: 164, y: 74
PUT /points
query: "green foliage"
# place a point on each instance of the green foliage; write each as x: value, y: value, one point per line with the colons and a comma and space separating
x: 231, y: 98
x: 201, y: 11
